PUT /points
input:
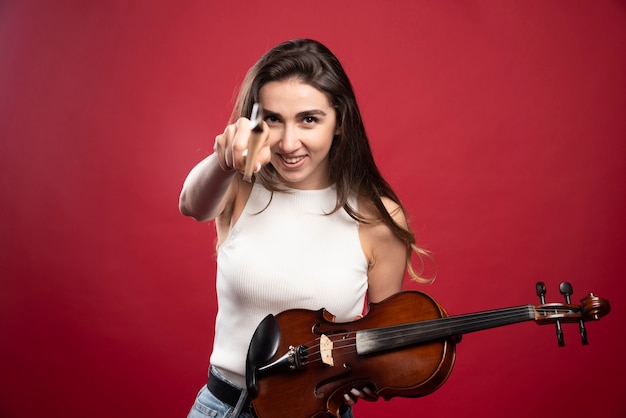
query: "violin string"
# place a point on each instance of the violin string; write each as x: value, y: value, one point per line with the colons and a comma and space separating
x: 426, y: 326
x: 432, y: 326
x: 392, y: 331
x: 436, y: 322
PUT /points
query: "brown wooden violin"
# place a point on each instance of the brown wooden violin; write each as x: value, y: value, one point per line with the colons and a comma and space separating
x: 302, y: 362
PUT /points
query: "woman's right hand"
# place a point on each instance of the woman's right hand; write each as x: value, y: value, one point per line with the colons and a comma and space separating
x: 205, y: 195
x: 231, y: 147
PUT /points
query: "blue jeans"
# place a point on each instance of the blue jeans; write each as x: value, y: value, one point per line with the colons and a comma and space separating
x: 208, y: 406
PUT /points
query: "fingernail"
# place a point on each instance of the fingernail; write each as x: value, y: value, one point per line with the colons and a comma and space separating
x: 258, y: 167
x: 355, y: 392
x: 346, y: 397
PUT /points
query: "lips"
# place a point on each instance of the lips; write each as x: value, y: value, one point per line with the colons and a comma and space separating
x: 291, y: 160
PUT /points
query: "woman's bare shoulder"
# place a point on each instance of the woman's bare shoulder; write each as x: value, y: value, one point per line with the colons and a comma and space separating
x: 371, y: 214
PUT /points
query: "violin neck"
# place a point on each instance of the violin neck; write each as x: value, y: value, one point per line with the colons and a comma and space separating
x: 404, y: 335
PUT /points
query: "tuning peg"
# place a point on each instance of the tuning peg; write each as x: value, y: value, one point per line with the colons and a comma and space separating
x: 541, y: 291
x: 540, y: 287
x: 559, y: 334
x: 566, y: 290
x: 583, y: 332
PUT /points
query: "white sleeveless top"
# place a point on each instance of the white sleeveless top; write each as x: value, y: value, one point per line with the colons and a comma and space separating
x: 284, y: 252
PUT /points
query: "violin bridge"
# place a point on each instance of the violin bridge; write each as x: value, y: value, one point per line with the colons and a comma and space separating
x: 326, y: 350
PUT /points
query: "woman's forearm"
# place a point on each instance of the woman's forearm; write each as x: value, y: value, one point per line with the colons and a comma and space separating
x: 204, y: 190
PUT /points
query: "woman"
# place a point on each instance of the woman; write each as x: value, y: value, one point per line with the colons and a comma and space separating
x: 317, y: 227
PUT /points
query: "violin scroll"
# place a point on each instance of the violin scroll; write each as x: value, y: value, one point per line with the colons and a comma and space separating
x: 594, y: 307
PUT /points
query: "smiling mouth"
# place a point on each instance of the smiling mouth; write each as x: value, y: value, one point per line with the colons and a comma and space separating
x: 292, y: 160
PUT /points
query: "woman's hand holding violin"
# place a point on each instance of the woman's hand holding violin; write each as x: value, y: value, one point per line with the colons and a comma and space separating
x: 354, y: 395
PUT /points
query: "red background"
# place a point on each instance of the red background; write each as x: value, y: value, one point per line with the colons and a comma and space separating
x: 500, y: 124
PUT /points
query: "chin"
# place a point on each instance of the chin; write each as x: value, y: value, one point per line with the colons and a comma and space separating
x: 291, y: 179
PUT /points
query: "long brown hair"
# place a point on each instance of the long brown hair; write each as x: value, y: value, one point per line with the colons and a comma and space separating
x: 351, y: 163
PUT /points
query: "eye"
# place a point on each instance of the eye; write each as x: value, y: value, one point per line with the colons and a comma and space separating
x: 310, y: 120
x: 272, y: 119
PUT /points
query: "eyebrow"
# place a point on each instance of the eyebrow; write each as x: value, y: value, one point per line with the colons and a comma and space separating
x: 305, y: 113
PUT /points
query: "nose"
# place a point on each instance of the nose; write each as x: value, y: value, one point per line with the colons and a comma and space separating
x: 289, y: 139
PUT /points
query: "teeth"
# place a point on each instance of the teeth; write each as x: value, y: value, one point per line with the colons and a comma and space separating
x: 292, y: 160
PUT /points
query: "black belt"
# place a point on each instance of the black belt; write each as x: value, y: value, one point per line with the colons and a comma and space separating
x: 225, y: 392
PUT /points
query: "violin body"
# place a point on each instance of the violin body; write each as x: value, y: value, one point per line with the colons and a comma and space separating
x: 318, y: 388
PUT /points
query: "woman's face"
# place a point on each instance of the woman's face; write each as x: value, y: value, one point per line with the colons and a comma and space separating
x: 302, y: 125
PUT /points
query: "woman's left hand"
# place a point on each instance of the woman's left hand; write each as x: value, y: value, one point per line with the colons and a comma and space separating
x: 355, y: 394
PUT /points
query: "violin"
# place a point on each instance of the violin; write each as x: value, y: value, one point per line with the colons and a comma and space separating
x: 301, y: 361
